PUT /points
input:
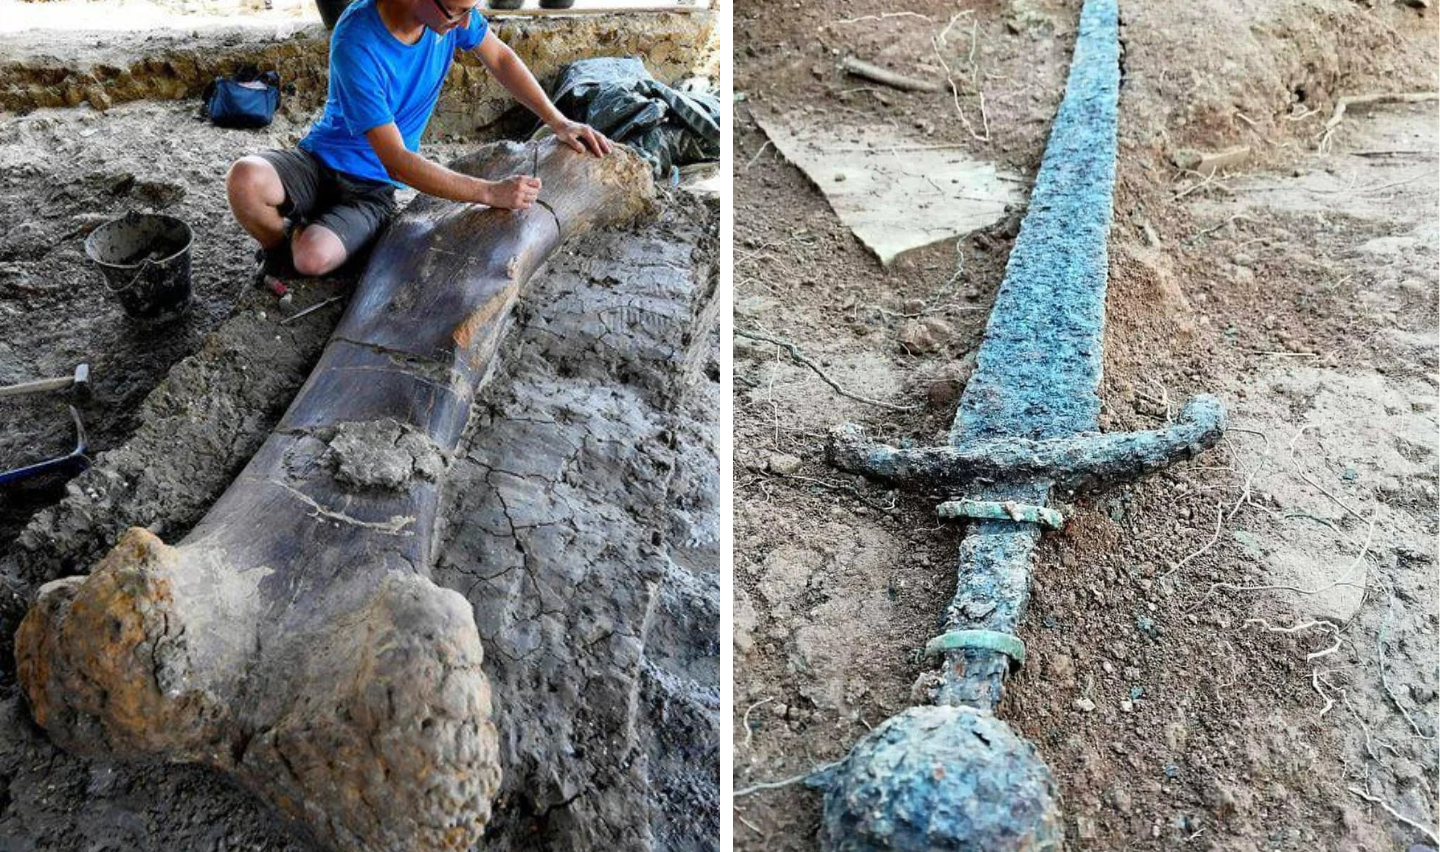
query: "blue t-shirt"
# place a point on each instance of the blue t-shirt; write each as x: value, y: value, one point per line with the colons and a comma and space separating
x: 376, y: 79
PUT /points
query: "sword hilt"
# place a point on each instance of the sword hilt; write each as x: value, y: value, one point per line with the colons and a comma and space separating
x: 1075, y: 463
x: 994, y: 559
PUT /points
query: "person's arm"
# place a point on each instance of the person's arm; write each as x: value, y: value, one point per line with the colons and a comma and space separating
x: 431, y: 178
x: 506, y: 67
x: 356, y: 77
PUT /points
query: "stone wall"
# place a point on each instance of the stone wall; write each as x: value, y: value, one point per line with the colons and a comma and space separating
x: 177, y: 65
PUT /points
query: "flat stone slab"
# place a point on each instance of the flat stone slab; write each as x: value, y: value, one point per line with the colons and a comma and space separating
x: 893, y: 192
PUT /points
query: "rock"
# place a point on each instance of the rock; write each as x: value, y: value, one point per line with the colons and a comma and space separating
x: 97, y: 98
x: 1062, y: 669
x: 783, y: 463
x: 745, y: 619
x: 1407, y: 773
x: 1220, y: 798
x: 754, y: 306
x: 965, y: 367
x: 927, y: 335
x: 384, y: 454
x: 943, y: 394
x: 1122, y: 800
x: 1085, y: 705
x: 1209, y: 162
x: 945, y: 386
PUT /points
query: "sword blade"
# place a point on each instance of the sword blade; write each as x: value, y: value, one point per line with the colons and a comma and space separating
x: 1038, y: 370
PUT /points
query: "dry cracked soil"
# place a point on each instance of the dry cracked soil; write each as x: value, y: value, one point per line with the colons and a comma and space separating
x: 1239, y: 653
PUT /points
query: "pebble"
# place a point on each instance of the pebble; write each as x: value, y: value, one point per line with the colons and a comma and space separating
x: 1123, y: 802
x: 1062, y: 668
x: 921, y: 336
x: 783, y: 463
x: 1085, y: 705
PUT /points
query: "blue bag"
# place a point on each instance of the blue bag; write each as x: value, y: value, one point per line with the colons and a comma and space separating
x: 247, y: 100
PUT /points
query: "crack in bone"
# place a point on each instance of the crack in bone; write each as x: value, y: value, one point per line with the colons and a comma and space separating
x: 395, y: 526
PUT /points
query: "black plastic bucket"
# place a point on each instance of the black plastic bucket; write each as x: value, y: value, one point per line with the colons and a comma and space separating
x: 146, y: 261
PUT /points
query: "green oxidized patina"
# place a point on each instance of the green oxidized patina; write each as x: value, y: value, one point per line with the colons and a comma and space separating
x: 953, y: 777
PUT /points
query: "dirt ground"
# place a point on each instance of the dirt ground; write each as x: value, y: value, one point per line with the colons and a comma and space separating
x: 1299, y: 286
x: 619, y: 746
x: 64, y: 172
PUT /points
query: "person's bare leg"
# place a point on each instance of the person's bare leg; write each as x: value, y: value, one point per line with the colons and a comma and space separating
x: 256, y: 193
x: 317, y: 250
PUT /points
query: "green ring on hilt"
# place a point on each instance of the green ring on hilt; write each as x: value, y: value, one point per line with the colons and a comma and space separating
x: 1001, y: 510
x: 989, y: 640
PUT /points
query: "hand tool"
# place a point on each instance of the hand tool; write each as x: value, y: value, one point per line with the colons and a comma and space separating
x: 72, y: 463
x: 80, y: 382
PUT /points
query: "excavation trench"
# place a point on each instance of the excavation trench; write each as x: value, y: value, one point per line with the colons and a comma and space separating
x: 637, y: 358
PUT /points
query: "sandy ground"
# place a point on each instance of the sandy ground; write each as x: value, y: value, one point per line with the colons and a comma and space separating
x: 1299, y: 286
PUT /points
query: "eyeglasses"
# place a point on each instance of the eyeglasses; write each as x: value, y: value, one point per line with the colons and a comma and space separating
x: 448, y: 15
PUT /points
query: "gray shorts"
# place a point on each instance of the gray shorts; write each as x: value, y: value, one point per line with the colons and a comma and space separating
x: 315, y: 194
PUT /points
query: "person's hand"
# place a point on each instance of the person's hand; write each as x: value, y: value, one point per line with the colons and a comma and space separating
x: 582, y: 137
x: 517, y: 192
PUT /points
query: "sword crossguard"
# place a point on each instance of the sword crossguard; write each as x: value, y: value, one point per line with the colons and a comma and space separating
x: 1077, y: 463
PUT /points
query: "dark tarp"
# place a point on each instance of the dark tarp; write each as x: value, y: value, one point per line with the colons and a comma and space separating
x: 619, y: 98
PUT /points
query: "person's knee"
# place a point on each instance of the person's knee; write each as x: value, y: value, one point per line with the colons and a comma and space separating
x: 317, y: 255
x: 251, y: 179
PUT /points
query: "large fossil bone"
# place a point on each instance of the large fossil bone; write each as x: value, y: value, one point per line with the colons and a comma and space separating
x: 293, y: 639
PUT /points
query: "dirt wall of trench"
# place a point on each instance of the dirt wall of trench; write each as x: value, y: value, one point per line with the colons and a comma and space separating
x: 63, y: 69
